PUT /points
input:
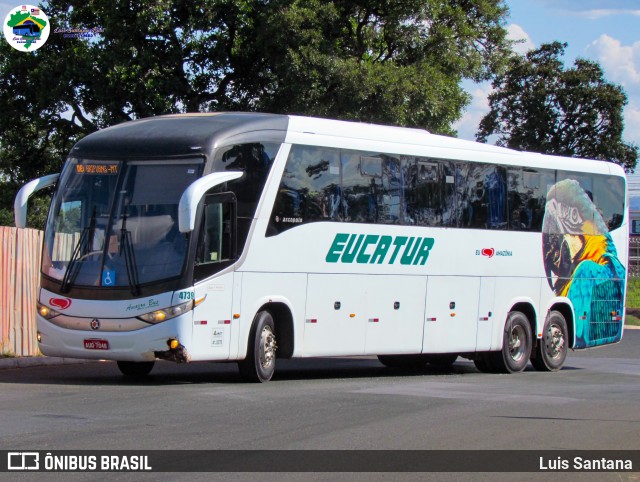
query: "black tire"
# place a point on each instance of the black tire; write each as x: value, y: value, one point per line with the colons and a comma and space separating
x: 482, y: 361
x: 135, y: 369
x: 516, y: 345
x: 403, y: 361
x: 551, y: 351
x: 260, y: 362
x: 443, y: 360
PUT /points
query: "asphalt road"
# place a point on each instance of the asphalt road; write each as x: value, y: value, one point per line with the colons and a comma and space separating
x: 345, y: 403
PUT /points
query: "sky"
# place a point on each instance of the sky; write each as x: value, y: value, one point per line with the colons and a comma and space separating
x: 607, y: 31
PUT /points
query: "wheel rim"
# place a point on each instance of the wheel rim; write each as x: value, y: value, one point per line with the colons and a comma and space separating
x: 267, y: 347
x: 554, y: 342
x: 517, y: 343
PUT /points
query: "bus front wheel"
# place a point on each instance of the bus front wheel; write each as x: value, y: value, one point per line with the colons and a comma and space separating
x: 135, y: 369
x: 260, y: 362
x: 552, y: 348
x: 516, y: 345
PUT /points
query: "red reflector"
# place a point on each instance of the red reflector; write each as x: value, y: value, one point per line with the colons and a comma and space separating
x: 227, y: 322
x: 312, y: 320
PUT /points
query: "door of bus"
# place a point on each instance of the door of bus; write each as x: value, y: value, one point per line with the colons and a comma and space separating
x: 335, y: 315
x: 213, y: 327
x: 451, y: 315
x: 395, y: 314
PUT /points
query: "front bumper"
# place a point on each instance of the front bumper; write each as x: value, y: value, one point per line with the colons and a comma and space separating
x: 137, y: 346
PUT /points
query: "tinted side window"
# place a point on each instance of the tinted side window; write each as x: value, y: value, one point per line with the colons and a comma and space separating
x: 362, y: 176
x: 482, y: 196
x: 363, y: 187
x: 574, y: 190
x: 310, y: 190
x: 605, y: 195
x: 608, y: 196
x: 255, y: 160
x: 430, y: 192
x: 527, y: 195
x: 216, y: 241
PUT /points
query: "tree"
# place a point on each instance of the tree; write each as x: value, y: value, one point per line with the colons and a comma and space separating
x: 538, y: 105
x: 387, y: 61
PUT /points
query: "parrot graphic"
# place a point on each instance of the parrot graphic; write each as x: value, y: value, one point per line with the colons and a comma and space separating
x: 581, y: 263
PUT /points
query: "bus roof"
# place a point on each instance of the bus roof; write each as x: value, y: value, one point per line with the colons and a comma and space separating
x: 179, y: 135
x: 174, y: 135
x: 319, y: 131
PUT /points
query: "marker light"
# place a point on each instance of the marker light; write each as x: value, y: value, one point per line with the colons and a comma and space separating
x: 159, y: 316
x: 173, y: 343
x: 46, y: 312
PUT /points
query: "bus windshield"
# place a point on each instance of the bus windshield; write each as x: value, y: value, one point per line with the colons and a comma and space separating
x: 115, y: 224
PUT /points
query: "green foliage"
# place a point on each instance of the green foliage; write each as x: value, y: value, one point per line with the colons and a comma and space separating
x: 36, y: 215
x: 377, y: 61
x: 388, y: 61
x: 539, y: 105
x: 633, y: 294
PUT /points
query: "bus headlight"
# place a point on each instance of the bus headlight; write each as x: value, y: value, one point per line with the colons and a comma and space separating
x: 46, y: 312
x: 159, y: 316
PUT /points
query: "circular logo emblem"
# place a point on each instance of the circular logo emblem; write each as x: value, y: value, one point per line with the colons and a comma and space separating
x: 95, y: 324
x: 26, y: 28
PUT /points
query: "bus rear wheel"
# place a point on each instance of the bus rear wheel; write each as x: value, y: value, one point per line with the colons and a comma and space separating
x: 260, y: 362
x: 482, y: 361
x: 516, y: 345
x: 551, y: 351
x: 135, y: 369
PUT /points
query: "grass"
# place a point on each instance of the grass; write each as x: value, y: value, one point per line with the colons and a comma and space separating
x: 631, y: 320
x: 633, y: 302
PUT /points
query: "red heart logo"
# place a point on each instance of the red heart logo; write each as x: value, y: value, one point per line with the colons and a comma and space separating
x: 488, y: 252
x: 60, y: 303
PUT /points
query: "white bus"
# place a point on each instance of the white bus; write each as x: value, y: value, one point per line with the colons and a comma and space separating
x: 245, y: 237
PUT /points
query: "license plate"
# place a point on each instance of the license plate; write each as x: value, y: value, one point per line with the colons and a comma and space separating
x: 96, y: 344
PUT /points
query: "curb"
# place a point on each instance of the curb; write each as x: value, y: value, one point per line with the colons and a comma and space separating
x: 38, y: 361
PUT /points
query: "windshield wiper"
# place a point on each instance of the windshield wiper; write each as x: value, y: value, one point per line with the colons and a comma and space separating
x: 73, y: 268
x: 126, y: 248
x: 81, y: 249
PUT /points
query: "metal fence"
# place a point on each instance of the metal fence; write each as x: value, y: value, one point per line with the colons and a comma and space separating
x: 633, y: 283
x: 19, y: 275
x: 634, y: 257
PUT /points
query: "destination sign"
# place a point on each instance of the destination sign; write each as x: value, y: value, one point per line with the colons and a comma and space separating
x: 100, y: 169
